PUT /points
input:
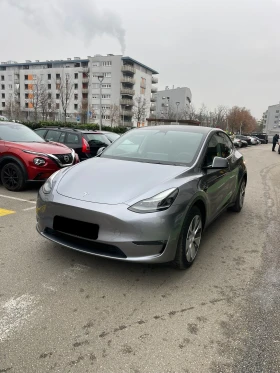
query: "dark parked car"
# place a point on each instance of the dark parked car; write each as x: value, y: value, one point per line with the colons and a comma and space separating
x: 85, y: 143
x: 25, y: 156
x: 262, y: 136
x: 171, y: 182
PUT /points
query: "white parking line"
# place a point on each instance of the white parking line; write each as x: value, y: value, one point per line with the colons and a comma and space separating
x: 17, y: 199
x: 29, y: 208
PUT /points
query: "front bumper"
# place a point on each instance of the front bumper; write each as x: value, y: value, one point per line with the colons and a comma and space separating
x: 123, y: 235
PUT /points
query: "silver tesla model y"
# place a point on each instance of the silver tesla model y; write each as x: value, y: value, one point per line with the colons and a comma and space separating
x: 147, y: 197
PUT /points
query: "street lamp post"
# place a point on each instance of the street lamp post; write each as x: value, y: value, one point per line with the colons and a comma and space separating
x: 177, y: 104
x: 100, y: 78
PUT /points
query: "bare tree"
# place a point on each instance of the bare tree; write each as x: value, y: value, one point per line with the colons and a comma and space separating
x: 34, y: 97
x: 44, y: 100
x: 83, y: 110
x: 114, y: 113
x: 140, y: 109
x: 64, y: 86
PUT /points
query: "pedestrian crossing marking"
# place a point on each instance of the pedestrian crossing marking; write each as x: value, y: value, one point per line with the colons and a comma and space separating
x: 4, y: 212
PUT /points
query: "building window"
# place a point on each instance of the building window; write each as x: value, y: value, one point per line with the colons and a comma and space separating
x: 26, y: 95
x: 106, y: 85
x: 2, y: 86
x: 276, y: 121
x: 107, y: 63
x: 57, y: 105
x: 26, y: 77
x: 85, y: 95
x: 107, y: 75
x: 57, y: 76
x: 26, y: 105
x: 49, y: 96
x: 106, y: 96
x: 76, y: 96
x: 57, y: 96
x: 10, y: 86
x: 49, y: 76
x: 76, y: 76
x: 3, y: 95
x: 75, y: 106
x: 75, y: 86
x: 95, y: 96
x: 2, y: 78
x: 26, y: 87
x: 3, y: 104
x: 105, y: 116
x: 277, y: 111
x: 49, y: 86
x: 95, y: 64
x: 276, y: 116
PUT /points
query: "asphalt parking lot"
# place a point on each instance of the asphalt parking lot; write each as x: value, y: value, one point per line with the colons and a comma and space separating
x: 63, y: 311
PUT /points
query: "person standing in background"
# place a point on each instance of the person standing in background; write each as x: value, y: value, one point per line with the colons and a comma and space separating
x: 275, y: 141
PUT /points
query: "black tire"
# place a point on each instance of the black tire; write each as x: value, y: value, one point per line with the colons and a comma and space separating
x: 239, y: 202
x: 12, y: 177
x: 185, y: 257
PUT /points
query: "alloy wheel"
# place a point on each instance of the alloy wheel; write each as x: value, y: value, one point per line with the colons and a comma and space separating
x: 242, y: 193
x: 193, y: 238
x: 10, y: 177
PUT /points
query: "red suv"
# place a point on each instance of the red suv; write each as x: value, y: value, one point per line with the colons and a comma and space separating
x: 25, y: 156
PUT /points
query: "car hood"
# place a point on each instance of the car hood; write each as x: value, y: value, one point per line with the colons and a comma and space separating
x: 111, y: 181
x: 41, y: 147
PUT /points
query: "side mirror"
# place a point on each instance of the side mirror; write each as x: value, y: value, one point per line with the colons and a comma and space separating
x: 100, y: 151
x: 219, y: 163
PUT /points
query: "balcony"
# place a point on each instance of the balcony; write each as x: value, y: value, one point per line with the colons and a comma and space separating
x: 125, y: 101
x: 154, y: 80
x: 16, y: 81
x: 126, y: 79
x: 127, y: 113
x: 127, y: 91
x: 128, y: 69
x: 153, y: 107
x: 84, y: 90
x: 154, y: 89
x: 153, y: 98
x: 85, y: 80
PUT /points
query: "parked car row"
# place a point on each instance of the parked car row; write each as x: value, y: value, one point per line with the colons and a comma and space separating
x: 240, y: 141
x: 29, y: 156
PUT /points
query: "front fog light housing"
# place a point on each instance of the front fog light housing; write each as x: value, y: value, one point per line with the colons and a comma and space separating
x: 39, y: 161
x: 48, y: 186
x: 160, y: 202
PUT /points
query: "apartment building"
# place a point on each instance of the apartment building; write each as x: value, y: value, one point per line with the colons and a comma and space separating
x: 122, y: 80
x: 165, y: 103
x: 271, y: 119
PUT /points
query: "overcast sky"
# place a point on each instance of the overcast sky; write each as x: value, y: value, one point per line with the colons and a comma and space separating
x: 226, y: 51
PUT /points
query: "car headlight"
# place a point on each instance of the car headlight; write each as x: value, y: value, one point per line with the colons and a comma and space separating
x: 48, y: 186
x: 160, y: 202
x: 39, y: 161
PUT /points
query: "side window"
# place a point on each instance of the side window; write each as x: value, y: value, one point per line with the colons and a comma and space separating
x: 62, y: 137
x: 226, y: 146
x: 53, y: 135
x: 41, y: 133
x: 72, y: 138
x: 213, y: 150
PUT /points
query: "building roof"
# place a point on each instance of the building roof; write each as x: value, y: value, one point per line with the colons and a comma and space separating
x: 139, y: 63
x: 9, y: 63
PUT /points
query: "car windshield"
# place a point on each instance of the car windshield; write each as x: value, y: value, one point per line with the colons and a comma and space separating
x: 96, y: 139
x: 18, y: 133
x: 112, y: 136
x: 157, y: 146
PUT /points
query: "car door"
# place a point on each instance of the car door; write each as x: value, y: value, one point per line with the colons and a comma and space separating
x: 53, y: 135
x: 216, y: 183
x: 41, y: 132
